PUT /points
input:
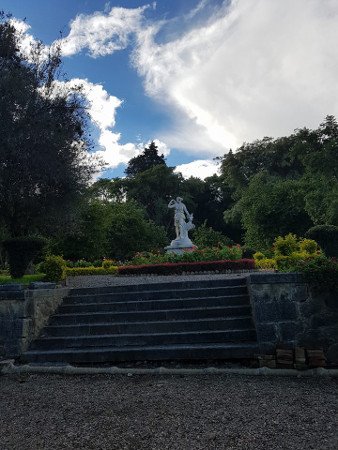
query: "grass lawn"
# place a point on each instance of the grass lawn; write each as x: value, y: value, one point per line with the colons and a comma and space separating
x: 26, y: 279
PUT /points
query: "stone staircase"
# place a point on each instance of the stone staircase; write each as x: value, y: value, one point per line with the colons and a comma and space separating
x: 191, y: 320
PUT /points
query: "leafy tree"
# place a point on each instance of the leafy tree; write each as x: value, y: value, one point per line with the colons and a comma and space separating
x: 283, y: 185
x: 87, y: 237
x: 270, y: 207
x: 131, y: 232
x: 109, y: 190
x: 152, y: 189
x: 321, y: 199
x: 43, y: 167
x: 146, y: 160
x: 204, y: 236
x: 208, y: 199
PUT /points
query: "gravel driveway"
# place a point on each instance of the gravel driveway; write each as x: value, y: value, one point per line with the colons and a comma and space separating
x: 162, y: 412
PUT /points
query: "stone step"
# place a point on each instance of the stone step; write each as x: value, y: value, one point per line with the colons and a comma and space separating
x: 148, y: 339
x: 131, y: 305
x: 145, y: 353
x: 163, y: 326
x: 136, y: 316
x: 156, y: 295
x: 170, y: 285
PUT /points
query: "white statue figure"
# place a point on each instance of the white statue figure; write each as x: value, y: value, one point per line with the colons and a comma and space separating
x: 181, y: 226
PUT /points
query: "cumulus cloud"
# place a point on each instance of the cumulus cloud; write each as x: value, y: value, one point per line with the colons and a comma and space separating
x: 102, y: 106
x: 102, y: 33
x: 255, y: 68
x: 201, y: 168
x: 27, y: 41
x: 251, y: 68
x: 102, y: 109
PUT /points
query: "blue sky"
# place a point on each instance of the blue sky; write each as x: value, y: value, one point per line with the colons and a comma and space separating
x: 199, y: 76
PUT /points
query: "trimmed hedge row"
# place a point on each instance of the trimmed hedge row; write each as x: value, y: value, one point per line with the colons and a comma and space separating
x: 76, y: 271
x: 178, y: 268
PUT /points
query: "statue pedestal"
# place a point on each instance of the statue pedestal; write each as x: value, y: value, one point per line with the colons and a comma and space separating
x: 179, y: 246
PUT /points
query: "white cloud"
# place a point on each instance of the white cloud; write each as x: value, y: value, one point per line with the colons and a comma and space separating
x: 256, y: 68
x: 201, y: 168
x: 253, y: 68
x: 101, y: 105
x: 102, y: 33
x: 102, y: 110
x: 26, y: 40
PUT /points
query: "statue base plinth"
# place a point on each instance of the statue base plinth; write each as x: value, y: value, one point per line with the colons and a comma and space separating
x: 179, y: 246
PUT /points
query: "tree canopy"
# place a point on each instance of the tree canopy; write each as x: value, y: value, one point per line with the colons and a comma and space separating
x: 284, y: 185
x: 43, y: 139
x: 146, y: 160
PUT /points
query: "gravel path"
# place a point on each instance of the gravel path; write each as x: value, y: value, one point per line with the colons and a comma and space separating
x: 183, y: 413
x: 110, y: 280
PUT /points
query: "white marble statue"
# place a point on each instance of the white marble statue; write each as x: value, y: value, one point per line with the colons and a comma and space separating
x: 181, y: 226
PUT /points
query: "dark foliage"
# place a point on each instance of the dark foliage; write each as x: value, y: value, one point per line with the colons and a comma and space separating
x: 327, y: 237
x: 146, y: 160
x: 248, y: 252
x: 42, y: 137
x: 21, y: 251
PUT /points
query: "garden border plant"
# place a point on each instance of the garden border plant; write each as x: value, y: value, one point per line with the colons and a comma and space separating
x: 178, y: 268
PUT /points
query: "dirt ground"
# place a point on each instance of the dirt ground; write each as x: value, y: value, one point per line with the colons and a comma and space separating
x: 167, y: 412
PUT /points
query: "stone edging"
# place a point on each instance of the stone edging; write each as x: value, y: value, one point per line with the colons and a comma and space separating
x: 8, y: 368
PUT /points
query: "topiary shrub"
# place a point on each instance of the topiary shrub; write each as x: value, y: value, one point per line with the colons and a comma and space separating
x: 327, y: 238
x: 21, y: 251
x: 54, y: 268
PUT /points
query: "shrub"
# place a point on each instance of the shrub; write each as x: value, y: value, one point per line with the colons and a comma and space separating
x: 319, y: 271
x: 210, y: 254
x: 284, y: 246
x: 204, y: 254
x: 288, y: 262
x: 107, y: 263
x: 258, y: 256
x: 21, y: 251
x: 76, y: 271
x: 266, y: 263
x: 308, y: 246
x: 148, y: 258
x: 287, y: 252
x: 178, y: 268
x: 327, y: 238
x: 54, y: 268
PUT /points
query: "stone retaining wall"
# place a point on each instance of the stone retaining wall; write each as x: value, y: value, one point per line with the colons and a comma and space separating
x: 288, y: 311
x: 23, y: 313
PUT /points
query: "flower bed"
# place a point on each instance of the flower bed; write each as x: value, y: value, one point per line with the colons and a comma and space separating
x: 178, y: 268
x: 197, y: 255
